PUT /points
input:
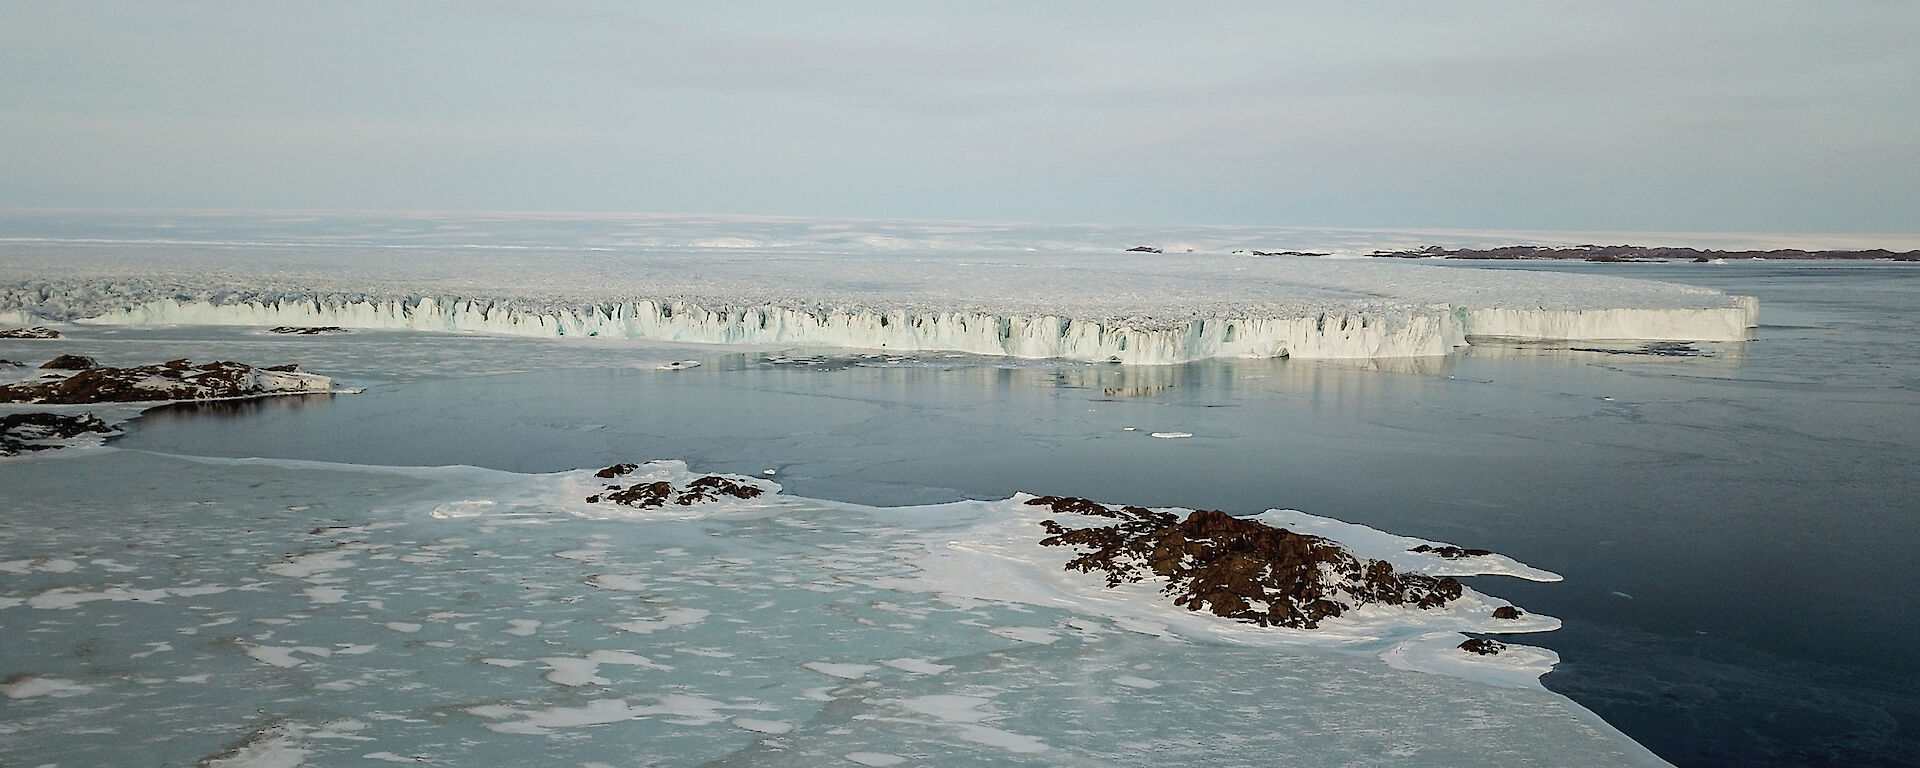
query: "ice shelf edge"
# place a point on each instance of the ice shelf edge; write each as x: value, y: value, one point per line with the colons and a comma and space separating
x: 1410, y: 330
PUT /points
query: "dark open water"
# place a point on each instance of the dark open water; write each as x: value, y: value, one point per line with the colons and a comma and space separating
x: 1737, y: 528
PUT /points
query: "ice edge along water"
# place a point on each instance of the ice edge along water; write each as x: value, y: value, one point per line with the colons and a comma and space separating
x: 1396, y: 330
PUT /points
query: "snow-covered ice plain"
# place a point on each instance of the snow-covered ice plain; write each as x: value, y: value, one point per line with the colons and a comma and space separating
x: 295, y: 612
x: 902, y: 289
x: 286, y: 613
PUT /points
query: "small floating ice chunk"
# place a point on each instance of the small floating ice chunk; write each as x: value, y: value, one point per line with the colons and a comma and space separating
x: 405, y: 627
x: 326, y: 595
x: 1036, y: 635
x: 453, y: 510
x: 1171, y: 435
x: 917, y: 666
x: 273, y: 656
x: 875, y: 759
x: 619, y: 581
x: 669, y: 617
x: 29, y: 686
x: 769, y: 727
x: 949, y: 707
x: 572, y: 672
x: 680, y: 365
x: 310, y: 565
x: 277, y: 747
x: 965, y: 714
x: 840, y: 670
x: 61, y: 598
x: 1137, y: 682
x: 522, y: 627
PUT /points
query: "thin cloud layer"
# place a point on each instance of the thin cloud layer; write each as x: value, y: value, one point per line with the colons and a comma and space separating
x: 1782, y: 116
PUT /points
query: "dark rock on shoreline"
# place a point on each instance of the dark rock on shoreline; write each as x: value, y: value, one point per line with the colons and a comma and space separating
x: 174, y: 380
x: 1638, y: 253
x: 1508, y: 612
x: 1143, y: 249
x: 36, y: 332
x: 1239, y: 569
x: 307, y: 330
x: 1483, y: 646
x: 658, y: 493
x: 1449, y: 551
x: 1655, y: 349
x: 23, y: 432
x: 69, y: 363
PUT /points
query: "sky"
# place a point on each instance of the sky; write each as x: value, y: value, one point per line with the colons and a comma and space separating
x: 1759, y: 116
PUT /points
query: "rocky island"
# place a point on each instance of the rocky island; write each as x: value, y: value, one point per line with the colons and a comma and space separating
x: 26, y: 432
x: 1236, y: 568
x: 659, y: 493
x: 73, y: 379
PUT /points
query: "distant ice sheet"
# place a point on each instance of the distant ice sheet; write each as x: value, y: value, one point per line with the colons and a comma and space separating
x: 934, y: 290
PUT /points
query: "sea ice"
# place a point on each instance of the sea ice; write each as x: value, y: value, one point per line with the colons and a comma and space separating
x: 939, y: 634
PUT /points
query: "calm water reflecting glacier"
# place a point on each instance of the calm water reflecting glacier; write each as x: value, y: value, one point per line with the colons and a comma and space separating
x: 1736, y: 527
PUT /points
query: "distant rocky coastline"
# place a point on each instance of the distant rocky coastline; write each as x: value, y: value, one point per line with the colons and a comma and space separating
x: 1639, y: 253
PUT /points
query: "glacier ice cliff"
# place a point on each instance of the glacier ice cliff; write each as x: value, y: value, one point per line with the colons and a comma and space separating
x: 1124, y: 307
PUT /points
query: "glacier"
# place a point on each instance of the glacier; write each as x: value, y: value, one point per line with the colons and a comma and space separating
x: 878, y: 293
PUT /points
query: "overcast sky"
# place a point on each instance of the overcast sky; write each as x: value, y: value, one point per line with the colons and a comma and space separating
x: 1685, y: 116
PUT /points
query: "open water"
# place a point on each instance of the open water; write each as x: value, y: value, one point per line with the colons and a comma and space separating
x: 1735, y: 521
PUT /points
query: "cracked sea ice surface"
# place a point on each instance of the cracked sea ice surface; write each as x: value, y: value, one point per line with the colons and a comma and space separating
x: 288, y: 613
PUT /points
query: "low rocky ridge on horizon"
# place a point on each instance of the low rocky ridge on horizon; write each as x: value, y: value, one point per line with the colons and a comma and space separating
x: 1236, y: 568
x: 73, y: 379
x: 36, y: 332
x: 1629, y: 253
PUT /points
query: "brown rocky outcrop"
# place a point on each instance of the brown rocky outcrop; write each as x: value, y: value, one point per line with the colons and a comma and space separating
x: 173, y: 380
x: 35, y: 332
x: 313, y: 330
x: 69, y: 363
x: 1236, y: 568
x: 658, y: 493
x: 1507, y: 612
x: 23, y: 432
x: 1483, y: 646
x: 1449, y: 551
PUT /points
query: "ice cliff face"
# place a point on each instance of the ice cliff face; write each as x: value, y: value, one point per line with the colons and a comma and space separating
x: 1127, y: 307
x: 1395, y: 332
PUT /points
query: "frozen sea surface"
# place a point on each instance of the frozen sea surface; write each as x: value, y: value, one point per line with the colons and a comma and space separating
x: 275, y: 613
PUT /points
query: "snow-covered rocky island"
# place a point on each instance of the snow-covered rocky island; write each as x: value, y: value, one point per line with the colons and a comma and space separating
x: 77, y: 380
x: 71, y: 380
